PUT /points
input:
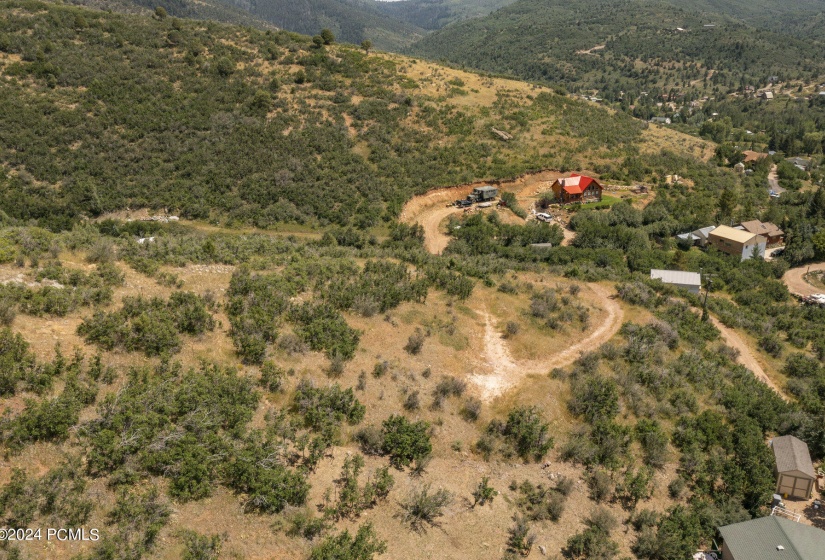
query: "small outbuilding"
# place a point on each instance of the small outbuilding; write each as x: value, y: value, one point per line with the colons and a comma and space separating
x: 795, y: 476
x: 691, y: 281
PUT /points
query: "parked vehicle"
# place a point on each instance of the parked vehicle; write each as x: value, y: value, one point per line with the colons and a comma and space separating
x: 544, y: 217
x: 463, y: 203
x: 483, y: 194
x: 778, y: 252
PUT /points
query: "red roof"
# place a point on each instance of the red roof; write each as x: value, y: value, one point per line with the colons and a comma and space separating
x: 575, y: 184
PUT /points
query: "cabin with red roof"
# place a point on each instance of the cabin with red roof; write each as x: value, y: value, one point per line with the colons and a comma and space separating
x: 577, y: 188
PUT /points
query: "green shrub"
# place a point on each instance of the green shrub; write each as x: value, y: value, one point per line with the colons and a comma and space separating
x: 405, y: 441
x: 363, y: 546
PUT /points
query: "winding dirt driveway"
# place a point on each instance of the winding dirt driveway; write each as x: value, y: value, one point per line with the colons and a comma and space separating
x: 503, y: 372
x: 795, y: 280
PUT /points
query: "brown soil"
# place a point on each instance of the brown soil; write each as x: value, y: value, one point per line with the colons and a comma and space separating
x: 746, y: 356
x: 795, y: 280
x: 506, y: 372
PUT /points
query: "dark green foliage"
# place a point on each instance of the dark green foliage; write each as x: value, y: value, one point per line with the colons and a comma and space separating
x: 363, y: 546
x: 513, y: 41
x: 423, y: 508
x: 405, y: 441
x: 149, y: 325
x: 604, y: 443
x: 272, y: 377
x: 234, y: 152
x: 654, y: 442
x: 78, y: 289
x: 59, y: 496
x: 591, y: 544
x: 178, y: 424
x: 635, y: 486
x: 323, y: 328
x: 268, y: 485
x: 525, y: 432
x: 256, y: 304
x: 480, y: 235
x: 135, y: 522
x: 674, y: 536
x: 324, y: 409
x: 48, y: 419
x: 595, y: 398
x: 16, y: 361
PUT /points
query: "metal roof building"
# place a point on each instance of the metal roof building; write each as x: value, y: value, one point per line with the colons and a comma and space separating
x: 772, y: 538
x: 691, y: 281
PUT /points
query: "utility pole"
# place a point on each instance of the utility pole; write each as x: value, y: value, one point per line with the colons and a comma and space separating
x: 708, y: 283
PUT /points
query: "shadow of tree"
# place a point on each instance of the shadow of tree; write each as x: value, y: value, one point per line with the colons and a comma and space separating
x: 815, y: 516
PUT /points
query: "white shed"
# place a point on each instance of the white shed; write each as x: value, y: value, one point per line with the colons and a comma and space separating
x: 691, y: 281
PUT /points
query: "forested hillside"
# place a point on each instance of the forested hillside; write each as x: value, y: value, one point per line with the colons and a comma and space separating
x: 352, y: 21
x: 435, y: 14
x: 102, y: 112
x: 622, y: 48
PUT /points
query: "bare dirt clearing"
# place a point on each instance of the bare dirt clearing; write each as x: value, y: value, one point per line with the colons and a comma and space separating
x: 795, y: 280
x: 430, y: 209
x: 506, y: 372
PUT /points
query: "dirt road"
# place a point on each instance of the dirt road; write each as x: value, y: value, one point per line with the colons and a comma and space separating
x: 795, y: 280
x: 746, y: 357
x: 773, y: 181
x: 504, y: 372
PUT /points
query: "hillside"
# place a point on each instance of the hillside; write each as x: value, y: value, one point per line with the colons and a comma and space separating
x: 352, y: 21
x: 240, y: 317
x: 622, y: 48
x: 435, y: 14
x: 214, y: 121
x: 191, y: 9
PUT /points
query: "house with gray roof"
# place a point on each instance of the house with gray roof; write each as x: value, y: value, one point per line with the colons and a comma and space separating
x: 697, y: 237
x: 772, y: 538
x: 795, y: 475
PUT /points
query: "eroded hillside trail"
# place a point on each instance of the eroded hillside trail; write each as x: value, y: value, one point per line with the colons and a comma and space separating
x: 502, y: 372
x: 795, y: 280
x: 746, y: 356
